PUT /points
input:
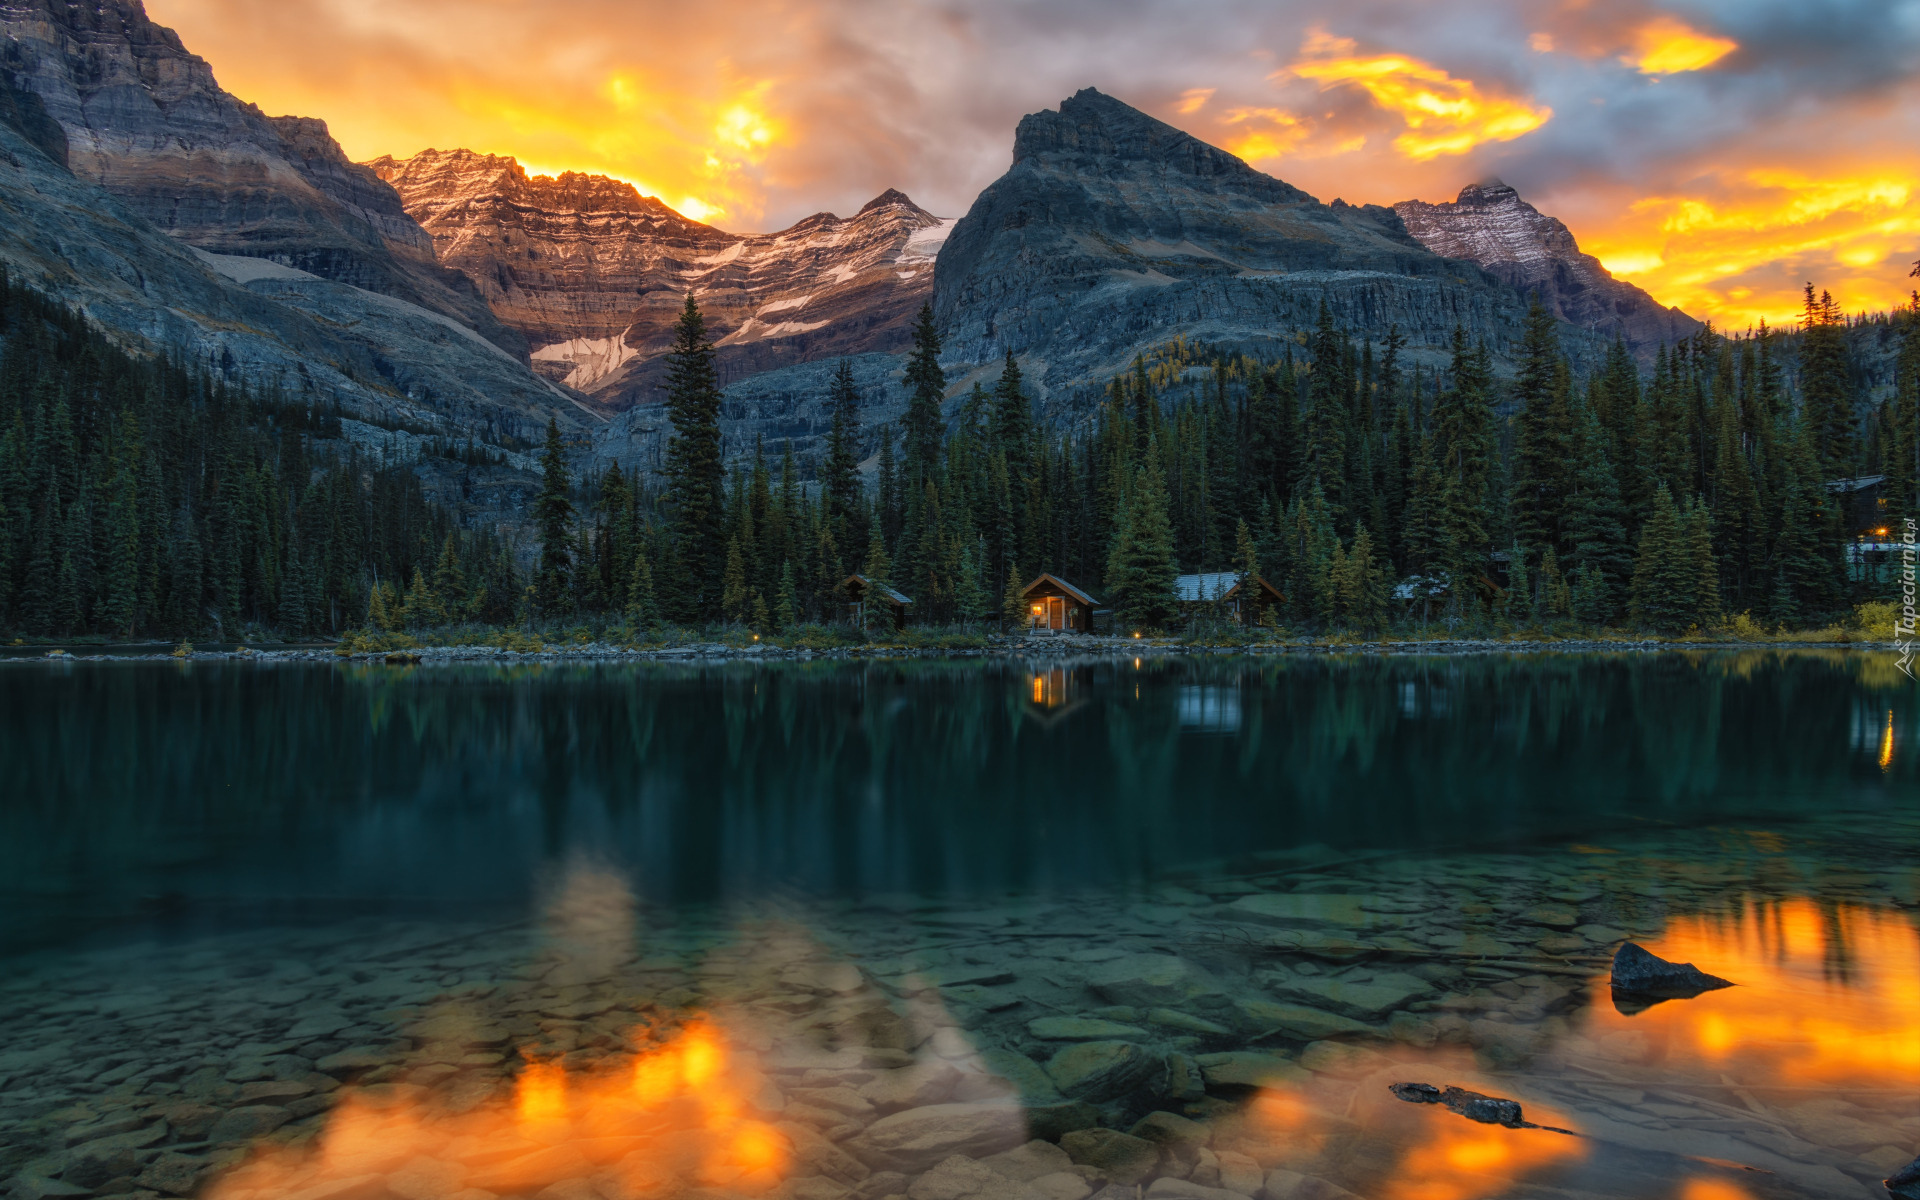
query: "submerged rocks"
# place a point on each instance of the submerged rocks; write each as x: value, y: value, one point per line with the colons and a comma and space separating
x: 1081, y: 1029
x: 917, y: 1138
x: 1369, y: 1000
x: 1310, y: 910
x: 1099, y: 1071
x: 1474, y: 1106
x: 1639, y: 975
x: 1248, y: 1069
x: 1150, y: 981
x: 1121, y: 1157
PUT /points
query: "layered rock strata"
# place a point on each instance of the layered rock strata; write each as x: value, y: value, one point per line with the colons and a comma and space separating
x: 594, y: 274
x: 144, y: 119
x: 1489, y: 224
x: 1113, y: 232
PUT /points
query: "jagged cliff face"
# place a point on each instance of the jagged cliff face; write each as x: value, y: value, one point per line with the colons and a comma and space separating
x: 1491, y: 225
x: 594, y: 273
x: 145, y: 120
x: 1113, y: 232
x: 388, y: 364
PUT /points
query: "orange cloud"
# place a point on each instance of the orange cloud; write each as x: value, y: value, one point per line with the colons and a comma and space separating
x: 1668, y: 46
x: 1442, y: 115
x: 1264, y: 133
x: 667, y: 107
x: 1736, y: 245
x: 1193, y: 100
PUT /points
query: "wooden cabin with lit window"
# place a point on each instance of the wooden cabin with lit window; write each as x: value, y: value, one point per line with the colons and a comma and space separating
x: 866, y: 602
x: 1056, y: 606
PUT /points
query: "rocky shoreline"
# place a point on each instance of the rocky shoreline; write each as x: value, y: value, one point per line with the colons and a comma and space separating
x: 997, y: 648
x: 1062, y: 1047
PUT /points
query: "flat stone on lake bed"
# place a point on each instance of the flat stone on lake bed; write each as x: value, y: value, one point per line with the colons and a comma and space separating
x: 1099, y: 1071
x: 1240, y: 1069
x: 918, y: 1138
x: 1369, y: 1001
x: 1320, y: 910
x: 1080, y: 1029
x: 1299, y: 1021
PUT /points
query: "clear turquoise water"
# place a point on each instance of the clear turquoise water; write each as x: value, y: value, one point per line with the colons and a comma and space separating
x: 181, y: 835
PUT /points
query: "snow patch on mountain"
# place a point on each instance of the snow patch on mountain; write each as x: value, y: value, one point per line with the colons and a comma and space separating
x: 923, y: 245
x: 593, y: 359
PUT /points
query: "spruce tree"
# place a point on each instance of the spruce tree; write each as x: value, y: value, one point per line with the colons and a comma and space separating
x: 1541, y: 434
x: 840, y: 481
x: 1464, y: 447
x: 1140, y: 567
x: 1013, y: 601
x: 1556, y: 598
x: 926, y: 386
x: 1666, y: 577
x: 786, y: 610
x: 1826, y: 388
x: 734, y: 598
x: 1362, y: 585
x: 695, y: 475
x: 1522, y: 605
x: 1253, y: 598
x: 450, y: 583
x: 553, y: 516
x: 641, y: 610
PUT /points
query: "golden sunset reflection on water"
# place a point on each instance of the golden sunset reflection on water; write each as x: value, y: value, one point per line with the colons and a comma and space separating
x: 1824, y: 995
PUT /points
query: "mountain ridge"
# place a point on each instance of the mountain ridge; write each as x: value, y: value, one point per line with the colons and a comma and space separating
x: 1490, y: 224
x: 593, y: 273
x: 146, y: 120
x: 1112, y: 231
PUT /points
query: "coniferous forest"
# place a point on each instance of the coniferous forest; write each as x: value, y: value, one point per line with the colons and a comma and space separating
x: 144, y: 499
x: 141, y: 499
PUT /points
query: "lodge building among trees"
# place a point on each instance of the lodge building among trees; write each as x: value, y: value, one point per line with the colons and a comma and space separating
x: 1057, y: 606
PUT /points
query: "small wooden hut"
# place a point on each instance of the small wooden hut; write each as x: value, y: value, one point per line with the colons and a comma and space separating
x: 1224, y: 588
x: 1056, y: 605
x: 867, y: 602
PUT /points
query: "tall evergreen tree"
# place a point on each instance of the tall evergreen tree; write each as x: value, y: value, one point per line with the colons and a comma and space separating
x: 553, y: 516
x: 840, y: 482
x: 1826, y: 388
x: 1140, y: 567
x: 695, y: 476
x: 926, y: 386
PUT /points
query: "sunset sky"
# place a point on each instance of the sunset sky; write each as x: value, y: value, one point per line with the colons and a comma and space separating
x: 1719, y: 153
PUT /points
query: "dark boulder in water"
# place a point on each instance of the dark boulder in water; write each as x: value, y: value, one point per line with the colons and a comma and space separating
x: 1474, y: 1106
x: 1638, y: 973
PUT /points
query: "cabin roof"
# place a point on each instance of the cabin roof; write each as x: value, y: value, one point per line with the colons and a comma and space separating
x: 1860, y: 484
x: 1214, y: 585
x: 1192, y: 589
x: 1064, y: 586
x: 864, y: 582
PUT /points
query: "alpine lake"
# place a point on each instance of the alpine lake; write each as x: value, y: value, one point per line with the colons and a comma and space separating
x: 988, y: 929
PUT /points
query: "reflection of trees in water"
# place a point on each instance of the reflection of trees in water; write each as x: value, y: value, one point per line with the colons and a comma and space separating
x: 717, y: 778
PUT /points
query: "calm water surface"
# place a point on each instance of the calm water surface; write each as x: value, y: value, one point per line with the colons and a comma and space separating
x: 759, y: 929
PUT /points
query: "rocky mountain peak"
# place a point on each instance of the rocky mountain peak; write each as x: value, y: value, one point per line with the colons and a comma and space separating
x: 1094, y: 127
x: 1489, y: 192
x: 594, y: 273
x: 1491, y: 225
x: 144, y: 119
x: 1113, y: 232
x: 888, y: 199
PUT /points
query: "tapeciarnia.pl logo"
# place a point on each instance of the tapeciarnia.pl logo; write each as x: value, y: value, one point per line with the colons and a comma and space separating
x: 1904, y: 624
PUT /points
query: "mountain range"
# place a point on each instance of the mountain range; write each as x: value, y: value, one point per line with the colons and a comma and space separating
x: 453, y: 295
